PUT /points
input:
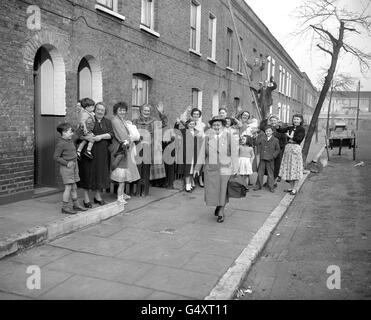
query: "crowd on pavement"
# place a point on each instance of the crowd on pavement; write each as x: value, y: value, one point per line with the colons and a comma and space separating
x: 224, y: 155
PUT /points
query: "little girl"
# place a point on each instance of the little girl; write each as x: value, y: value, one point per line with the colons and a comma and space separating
x: 246, y: 155
x: 121, y: 174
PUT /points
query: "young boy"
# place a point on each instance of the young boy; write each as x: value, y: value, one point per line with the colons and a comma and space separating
x: 86, y: 122
x: 268, y: 148
x: 65, y: 155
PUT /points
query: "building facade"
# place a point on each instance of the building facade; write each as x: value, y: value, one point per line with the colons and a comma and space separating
x: 178, y: 52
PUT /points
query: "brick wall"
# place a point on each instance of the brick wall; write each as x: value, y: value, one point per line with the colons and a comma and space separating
x: 120, y: 50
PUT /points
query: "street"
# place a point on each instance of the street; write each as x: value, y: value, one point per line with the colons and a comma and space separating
x: 328, y: 224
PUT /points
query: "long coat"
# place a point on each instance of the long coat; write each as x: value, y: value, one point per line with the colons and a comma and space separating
x: 220, y: 162
x: 94, y: 174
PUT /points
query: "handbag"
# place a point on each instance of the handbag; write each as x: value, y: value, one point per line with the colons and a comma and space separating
x: 236, y: 187
x: 133, y: 131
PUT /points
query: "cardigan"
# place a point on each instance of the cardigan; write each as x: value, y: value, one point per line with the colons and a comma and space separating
x: 299, y: 133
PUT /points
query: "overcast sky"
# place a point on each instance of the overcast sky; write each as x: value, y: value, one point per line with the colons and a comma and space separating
x: 279, y: 17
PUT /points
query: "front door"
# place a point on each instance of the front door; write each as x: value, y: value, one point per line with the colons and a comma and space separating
x: 45, y: 125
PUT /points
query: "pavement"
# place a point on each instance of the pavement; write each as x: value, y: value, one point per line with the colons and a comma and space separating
x: 166, y: 246
x: 328, y: 226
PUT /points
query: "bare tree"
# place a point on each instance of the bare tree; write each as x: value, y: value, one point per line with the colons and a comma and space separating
x: 318, y: 18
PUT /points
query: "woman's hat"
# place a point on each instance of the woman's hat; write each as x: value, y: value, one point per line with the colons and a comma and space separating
x: 217, y: 118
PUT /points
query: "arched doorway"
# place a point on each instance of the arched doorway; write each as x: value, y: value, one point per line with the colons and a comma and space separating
x: 85, y: 88
x: 89, y: 79
x: 49, y: 105
x: 223, y: 100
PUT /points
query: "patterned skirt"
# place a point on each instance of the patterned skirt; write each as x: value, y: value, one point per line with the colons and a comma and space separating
x: 292, y: 163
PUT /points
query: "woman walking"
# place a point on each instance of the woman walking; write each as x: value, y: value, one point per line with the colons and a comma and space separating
x: 219, y: 165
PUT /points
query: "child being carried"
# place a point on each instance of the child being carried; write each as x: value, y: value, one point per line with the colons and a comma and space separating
x: 86, y: 118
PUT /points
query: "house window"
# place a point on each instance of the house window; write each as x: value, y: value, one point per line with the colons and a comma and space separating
x: 195, y: 26
x: 140, y: 90
x: 212, y: 36
x: 284, y: 113
x: 239, y: 58
x: 229, y: 48
x: 269, y: 60
x: 236, y: 103
x: 110, y: 7
x: 280, y: 80
x: 273, y: 73
x: 196, y: 98
x: 109, y: 4
x: 283, y: 80
x: 148, y: 14
x: 223, y: 100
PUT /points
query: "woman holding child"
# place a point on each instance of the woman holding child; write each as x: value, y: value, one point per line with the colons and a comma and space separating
x: 122, y: 149
x: 94, y: 173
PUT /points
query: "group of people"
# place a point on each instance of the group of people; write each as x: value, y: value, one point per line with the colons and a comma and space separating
x: 210, y: 154
x: 106, y: 150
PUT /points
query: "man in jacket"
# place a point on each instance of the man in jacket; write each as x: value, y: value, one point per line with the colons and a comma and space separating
x: 265, y: 96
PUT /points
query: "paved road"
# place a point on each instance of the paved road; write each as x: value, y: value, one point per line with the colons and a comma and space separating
x: 329, y: 223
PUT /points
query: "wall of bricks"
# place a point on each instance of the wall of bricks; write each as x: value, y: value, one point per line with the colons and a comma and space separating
x: 76, y: 29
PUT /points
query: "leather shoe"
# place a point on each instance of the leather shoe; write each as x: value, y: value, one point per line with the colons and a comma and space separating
x: 220, y: 219
x: 88, y: 154
x: 79, y: 208
x: 68, y: 211
x: 87, y: 204
x: 100, y: 202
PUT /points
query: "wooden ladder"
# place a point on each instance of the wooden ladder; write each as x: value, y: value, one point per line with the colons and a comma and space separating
x: 244, y: 61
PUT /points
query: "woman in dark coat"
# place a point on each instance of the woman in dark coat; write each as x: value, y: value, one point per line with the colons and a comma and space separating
x: 190, y: 141
x: 95, y: 173
x: 291, y: 168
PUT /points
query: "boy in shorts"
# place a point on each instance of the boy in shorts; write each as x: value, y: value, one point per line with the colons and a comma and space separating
x: 65, y: 154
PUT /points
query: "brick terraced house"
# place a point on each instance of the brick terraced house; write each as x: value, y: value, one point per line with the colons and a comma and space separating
x: 180, y: 52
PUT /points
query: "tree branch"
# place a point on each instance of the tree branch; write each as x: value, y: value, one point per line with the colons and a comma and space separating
x: 333, y: 39
x: 323, y: 49
x: 352, y: 29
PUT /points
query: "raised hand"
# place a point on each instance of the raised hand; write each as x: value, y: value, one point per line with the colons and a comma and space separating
x: 160, y: 107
